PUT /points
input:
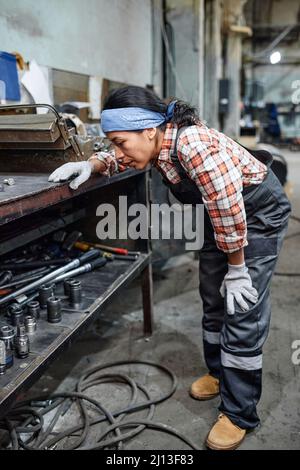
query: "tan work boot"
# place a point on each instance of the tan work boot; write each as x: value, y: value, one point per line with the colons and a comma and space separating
x: 205, y: 388
x: 225, y: 435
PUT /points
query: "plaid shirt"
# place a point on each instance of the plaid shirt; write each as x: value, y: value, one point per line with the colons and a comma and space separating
x: 219, y: 167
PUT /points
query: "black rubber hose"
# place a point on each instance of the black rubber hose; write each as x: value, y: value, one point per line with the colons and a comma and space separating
x: 56, y: 439
x: 146, y: 424
x: 25, y: 423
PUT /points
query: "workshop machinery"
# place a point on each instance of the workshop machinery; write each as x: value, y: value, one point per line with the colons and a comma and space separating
x: 31, y: 142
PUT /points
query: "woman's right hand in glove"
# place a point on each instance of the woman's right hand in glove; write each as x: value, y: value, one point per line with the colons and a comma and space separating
x: 80, y: 171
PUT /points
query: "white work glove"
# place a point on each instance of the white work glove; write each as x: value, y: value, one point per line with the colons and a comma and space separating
x: 82, y: 171
x: 238, y: 284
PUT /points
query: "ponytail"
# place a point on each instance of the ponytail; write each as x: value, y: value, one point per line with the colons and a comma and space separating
x: 185, y: 115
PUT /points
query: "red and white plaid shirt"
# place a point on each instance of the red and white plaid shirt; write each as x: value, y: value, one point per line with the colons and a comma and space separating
x: 220, y: 168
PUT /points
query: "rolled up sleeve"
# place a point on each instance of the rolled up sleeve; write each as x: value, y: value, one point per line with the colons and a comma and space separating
x: 219, y: 180
x: 110, y: 161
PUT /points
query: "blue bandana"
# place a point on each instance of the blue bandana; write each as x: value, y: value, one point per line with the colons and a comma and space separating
x: 134, y: 119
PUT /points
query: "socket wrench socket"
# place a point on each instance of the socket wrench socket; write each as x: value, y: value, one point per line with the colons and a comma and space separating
x: 75, y: 293
x: 54, y: 310
x: 67, y: 283
x: 45, y: 292
x: 16, y: 315
x: 30, y: 325
x: 7, y: 335
x: 33, y: 309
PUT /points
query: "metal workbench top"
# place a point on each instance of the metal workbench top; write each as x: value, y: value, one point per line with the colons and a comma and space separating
x: 32, y: 192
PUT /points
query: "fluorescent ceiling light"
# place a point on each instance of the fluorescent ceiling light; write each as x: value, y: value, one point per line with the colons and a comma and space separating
x: 275, y: 57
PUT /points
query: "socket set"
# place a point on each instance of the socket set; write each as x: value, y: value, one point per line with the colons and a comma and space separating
x: 15, y: 337
x: 49, y: 292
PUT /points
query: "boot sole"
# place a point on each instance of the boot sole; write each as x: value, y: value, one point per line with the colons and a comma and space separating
x: 203, y: 397
x: 212, y: 446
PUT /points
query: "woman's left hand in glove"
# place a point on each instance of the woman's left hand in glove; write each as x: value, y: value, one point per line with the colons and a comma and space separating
x: 237, y: 286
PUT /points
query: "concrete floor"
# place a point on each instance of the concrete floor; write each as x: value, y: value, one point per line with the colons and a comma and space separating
x: 176, y: 343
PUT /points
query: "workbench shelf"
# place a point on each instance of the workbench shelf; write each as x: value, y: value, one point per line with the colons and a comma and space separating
x: 33, y: 192
x: 33, y: 200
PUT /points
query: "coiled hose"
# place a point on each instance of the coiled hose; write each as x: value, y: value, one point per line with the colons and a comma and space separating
x: 26, y: 425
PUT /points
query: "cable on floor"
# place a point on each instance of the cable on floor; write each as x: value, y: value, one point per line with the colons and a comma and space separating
x: 27, y: 426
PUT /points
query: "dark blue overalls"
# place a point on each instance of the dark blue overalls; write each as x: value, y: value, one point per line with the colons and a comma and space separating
x: 233, y: 343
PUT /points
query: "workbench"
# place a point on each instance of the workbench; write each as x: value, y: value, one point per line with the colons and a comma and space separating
x: 34, y: 208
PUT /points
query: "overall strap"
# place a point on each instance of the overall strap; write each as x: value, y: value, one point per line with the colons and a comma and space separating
x: 262, y: 155
x: 174, y: 155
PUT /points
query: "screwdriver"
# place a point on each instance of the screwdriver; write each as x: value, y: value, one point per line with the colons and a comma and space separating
x: 113, y: 249
x: 83, y: 246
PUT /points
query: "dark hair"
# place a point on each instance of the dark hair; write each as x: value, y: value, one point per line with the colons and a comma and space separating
x: 135, y: 96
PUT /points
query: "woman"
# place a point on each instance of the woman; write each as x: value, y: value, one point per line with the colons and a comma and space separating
x: 246, y: 216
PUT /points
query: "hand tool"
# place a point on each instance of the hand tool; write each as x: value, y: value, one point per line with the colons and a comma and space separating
x: 30, y: 325
x: 21, y: 342
x: 29, y: 299
x: 2, y: 357
x: 33, y: 309
x: 24, y: 280
x: 59, y: 236
x: 21, y: 299
x: 45, y: 291
x: 34, y: 272
x: 86, y: 268
x: 16, y: 314
x: 53, y: 274
x: 36, y: 264
x: 115, y: 250
x: 5, y: 277
x: 54, y: 310
x: 7, y: 335
x: 75, y: 293
x: 71, y: 239
x: 67, y: 286
x: 5, y: 291
x: 110, y: 256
